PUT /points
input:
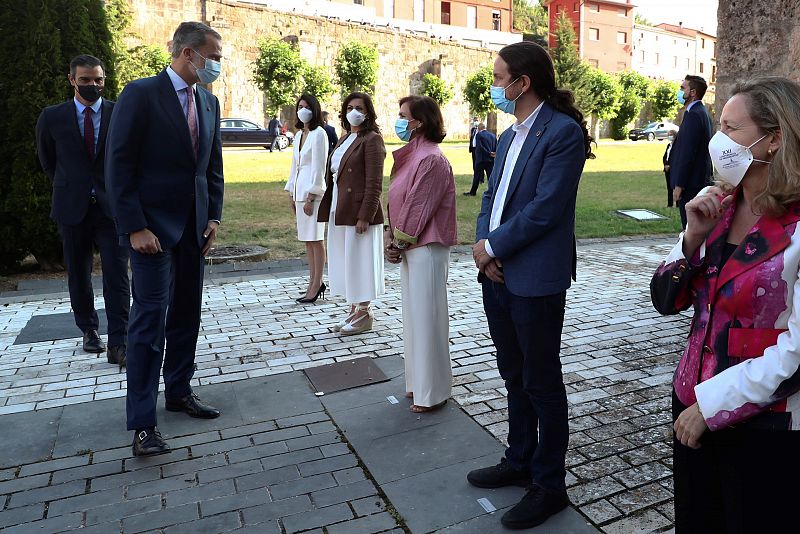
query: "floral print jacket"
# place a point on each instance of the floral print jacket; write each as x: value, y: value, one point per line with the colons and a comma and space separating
x: 742, y: 362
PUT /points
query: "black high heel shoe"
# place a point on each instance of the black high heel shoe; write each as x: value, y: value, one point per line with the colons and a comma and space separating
x: 320, y: 292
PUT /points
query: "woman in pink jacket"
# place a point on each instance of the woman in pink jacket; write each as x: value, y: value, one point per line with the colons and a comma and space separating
x: 736, y: 406
x: 421, y: 230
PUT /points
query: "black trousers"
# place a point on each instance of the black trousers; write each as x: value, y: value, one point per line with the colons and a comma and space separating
x: 686, y: 196
x: 669, y: 190
x: 481, y: 172
x: 167, y: 296
x: 527, y: 334
x: 79, y: 241
x: 741, y: 480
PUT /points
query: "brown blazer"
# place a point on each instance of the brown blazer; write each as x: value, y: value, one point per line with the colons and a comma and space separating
x: 360, y: 182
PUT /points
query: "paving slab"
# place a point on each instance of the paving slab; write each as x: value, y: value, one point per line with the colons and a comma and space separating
x: 54, y: 326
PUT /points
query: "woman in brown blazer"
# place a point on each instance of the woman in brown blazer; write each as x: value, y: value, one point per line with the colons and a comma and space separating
x: 352, y: 207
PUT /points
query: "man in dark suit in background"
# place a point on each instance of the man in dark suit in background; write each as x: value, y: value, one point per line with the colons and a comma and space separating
x: 485, y: 143
x: 666, y: 160
x: 690, y: 170
x: 164, y: 164
x: 331, y: 131
x: 70, y: 139
x: 473, y: 129
x: 274, y: 128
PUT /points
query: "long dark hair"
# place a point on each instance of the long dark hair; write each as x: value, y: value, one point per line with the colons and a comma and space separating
x: 316, y: 111
x: 530, y: 59
x: 369, y: 123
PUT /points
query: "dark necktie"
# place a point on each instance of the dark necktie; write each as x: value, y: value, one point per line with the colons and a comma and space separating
x: 88, y: 131
x: 191, y: 118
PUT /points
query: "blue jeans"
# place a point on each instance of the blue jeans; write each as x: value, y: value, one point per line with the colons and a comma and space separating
x: 527, y: 335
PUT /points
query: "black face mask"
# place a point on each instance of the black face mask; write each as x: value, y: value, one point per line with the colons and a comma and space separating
x: 90, y: 92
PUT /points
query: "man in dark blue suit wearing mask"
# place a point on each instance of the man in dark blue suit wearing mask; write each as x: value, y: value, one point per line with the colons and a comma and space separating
x: 70, y: 142
x: 164, y: 162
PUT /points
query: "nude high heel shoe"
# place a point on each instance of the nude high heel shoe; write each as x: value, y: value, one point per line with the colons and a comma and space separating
x: 338, y: 326
x: 362, y: 324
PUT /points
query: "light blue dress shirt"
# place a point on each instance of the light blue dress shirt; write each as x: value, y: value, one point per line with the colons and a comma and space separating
x: 97, y: 109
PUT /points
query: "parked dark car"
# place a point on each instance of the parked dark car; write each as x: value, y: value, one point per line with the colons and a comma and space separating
x: 654, y: 130
x: 243, y: 132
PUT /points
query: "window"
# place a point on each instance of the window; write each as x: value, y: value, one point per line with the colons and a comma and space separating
x: 358, y: 2
x: 701, y: 67
x: 641, y: 56
x: 388, y: 8
x: 658, y: 58
x: 621, y: 65
x: 594, y: 8
x: 623, y: 12
x: 674, y: 62
x: 472, y: 17
x: 702, y: 43
x: 687, y: 63
x: 445, y: 12
x: 594, y: 34
x: 419, y: 10
x: 622, y: 37
x: 496, y: 20
x: 594, y: 63
x: 575, y: 6
x: 641, y: 35
x: 713, y: 73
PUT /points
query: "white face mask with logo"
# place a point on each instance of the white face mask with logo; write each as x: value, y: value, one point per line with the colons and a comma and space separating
x: 730, y: 159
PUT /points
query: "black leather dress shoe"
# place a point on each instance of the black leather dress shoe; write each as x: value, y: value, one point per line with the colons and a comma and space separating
x: 118, y: 355
x: 498, y: 476
x: 148, y: 442
x: 193, y: 406
x: 92, y: 342
x: 535, y: 508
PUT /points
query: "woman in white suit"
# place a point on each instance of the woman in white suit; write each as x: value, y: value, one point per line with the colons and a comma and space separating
x: 306, y: 186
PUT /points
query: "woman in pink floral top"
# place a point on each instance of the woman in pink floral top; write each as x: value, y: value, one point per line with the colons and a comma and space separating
x: 736, y: 391
x: 421, y: 230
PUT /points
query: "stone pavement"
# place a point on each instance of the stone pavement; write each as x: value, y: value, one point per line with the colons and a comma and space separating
x: 618, y: 356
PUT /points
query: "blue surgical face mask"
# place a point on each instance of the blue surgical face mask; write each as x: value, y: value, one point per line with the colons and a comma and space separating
x: 499, y: 98
x: 401, y: 129
x: 209, y: 72
x: 681, y: 97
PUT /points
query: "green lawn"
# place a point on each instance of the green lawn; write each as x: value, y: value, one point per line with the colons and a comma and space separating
x: 624, y: 175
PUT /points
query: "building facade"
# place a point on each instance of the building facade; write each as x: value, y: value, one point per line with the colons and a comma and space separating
x: 482, y: 23
x: 604, y: 30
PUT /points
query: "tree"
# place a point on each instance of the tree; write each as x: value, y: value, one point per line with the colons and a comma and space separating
x: 356, y: 67
x: 608, y: 93
x: 316, y: 81
x: 437, y: 89
x: 639, y: 19
x: 664, y: 104
x: 476, y: 91
x: 277, y: 70
x: 637, y: 90
x: 42, y: 36
x: 571, y: 72
x: 134, y: 62
x: 530, y: 17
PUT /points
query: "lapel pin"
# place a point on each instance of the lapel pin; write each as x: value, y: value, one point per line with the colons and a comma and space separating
x: 538, y: 133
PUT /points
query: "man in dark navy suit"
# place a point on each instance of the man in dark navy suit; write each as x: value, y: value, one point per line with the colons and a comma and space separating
x: 70, y: 139
x: 485, y: 143
x: 690, y: 168
x: 164, y: 161
x: 330, y: 131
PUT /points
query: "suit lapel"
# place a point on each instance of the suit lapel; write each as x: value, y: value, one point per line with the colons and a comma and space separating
x: 502, y: 151
x: 105, y: 118
x: 535, y: 133
x: 205, y: 121
x: 168, y: 99
x: 70, y: 115
x: 358, y: 140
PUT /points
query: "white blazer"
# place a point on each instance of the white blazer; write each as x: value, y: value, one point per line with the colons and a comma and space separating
x: 307, y: 175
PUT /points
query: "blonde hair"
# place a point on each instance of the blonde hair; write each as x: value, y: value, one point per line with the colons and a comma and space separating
x: 773, y: 102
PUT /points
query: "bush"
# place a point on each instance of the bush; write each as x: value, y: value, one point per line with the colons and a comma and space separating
x: 356, y: 67
x: 277, y: 70
x: 664, y: 102
x: 637, y: 90
x: 608, y: 93
x: 316, y: 81
x: 437, y: 89
x: 476, y: 91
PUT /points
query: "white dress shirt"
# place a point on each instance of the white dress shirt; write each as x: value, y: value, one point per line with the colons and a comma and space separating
x: 180, y: 84
x: 520, y: 135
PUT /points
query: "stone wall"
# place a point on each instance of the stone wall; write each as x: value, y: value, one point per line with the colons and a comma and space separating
x: 756, y: 38
x: 403, y: 59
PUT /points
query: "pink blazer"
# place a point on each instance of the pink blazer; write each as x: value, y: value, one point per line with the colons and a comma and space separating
x: 742, y: 361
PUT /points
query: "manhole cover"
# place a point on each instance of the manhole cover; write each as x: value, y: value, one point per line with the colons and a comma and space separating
x: 238, y: 252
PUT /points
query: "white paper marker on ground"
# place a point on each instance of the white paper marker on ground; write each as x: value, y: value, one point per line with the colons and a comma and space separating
x: 487, y: 505
x: 392, y: 399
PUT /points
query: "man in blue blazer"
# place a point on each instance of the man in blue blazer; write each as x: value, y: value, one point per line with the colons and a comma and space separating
x: 482, y: 157
x: 526, y: 256
x: 690, y: 168
x: 164, y: 163
x: 70, y: 142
